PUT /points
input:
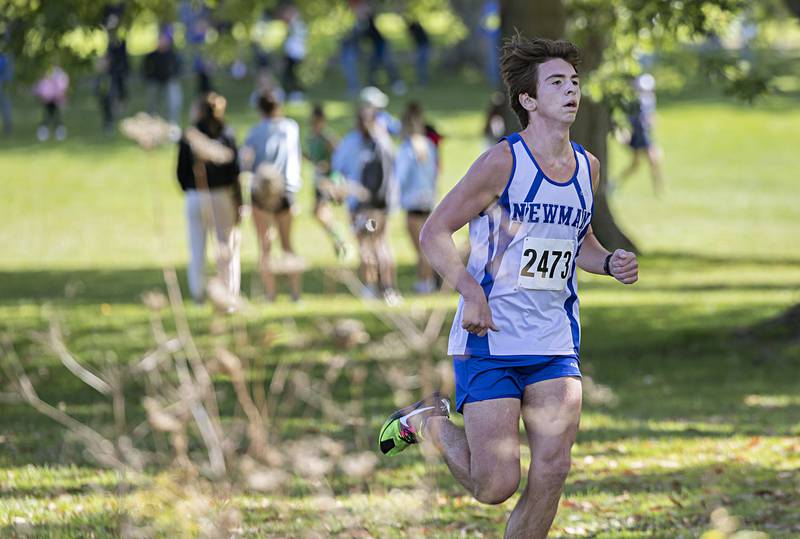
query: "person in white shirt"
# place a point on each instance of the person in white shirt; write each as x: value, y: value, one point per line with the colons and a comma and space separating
x: 272, y: 152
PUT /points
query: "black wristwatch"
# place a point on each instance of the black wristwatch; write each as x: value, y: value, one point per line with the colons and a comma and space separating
x: 606, y: 265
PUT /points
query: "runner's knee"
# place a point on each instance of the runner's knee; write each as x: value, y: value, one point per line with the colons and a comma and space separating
x: 496, y: 486
x: 552, y: 468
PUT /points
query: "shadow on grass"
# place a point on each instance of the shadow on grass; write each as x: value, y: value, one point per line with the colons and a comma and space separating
x: 669, y: 257
x: 97, y: 286
x: 96, y: 525
x: 748, y: 478
x: 48, y: 491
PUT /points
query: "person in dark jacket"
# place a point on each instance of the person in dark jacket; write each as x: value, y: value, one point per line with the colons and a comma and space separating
x: 423, y: 44
x: 210, y: 181
x: 162, y: 74
x: 118, y: 69
x: 381, y: 51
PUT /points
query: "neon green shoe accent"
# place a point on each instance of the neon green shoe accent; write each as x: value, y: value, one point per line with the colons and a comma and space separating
x: 398, y: 433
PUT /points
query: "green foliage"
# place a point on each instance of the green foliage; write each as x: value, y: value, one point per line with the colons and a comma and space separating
x: 629, y: 30
x: 70, y: 32
x: 40, y: 33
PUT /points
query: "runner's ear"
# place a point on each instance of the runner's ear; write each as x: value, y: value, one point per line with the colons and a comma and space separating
x: 527, y: 102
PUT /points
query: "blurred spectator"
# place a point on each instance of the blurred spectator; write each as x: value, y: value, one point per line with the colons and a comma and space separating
x: 494, y: 128
x: 294, y: 50
x: 266, y: 83
x: 102, y: 89
x: 260, y: 36
x: 381, y: 52
x: 415, y: 109
x: 161, y: 72
x: 641, y: 115
x: 213, y: 198
x: 273, y: 154
x: 116, y: 65
x: 6, y: 75
x: 490, y: 32
x: 319, y: 150
x: 365, y: 157
x: 375, y: 98
x: 195, y: 19
x: 111, y: 78
x: 118, y: 69
x: 348, y: 58
x: 51, y: 91
x: 416, y: 168
x: 422, y: 56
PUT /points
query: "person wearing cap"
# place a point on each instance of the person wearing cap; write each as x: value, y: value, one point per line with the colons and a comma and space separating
x: 375, y: 98
x: 365, y: 157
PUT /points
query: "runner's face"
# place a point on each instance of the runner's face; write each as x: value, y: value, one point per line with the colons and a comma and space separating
x: 558, y: 91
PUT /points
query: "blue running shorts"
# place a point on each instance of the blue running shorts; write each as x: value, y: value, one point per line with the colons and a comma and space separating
x: 481, y: 378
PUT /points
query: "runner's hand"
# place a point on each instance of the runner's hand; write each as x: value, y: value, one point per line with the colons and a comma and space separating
x: 624, y: 267
x: 477, y: 317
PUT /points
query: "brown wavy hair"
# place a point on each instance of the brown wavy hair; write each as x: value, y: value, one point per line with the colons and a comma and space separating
x: 519, y: 65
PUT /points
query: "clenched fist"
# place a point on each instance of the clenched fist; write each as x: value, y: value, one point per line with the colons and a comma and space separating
x: 476, y: 316
x: 624, y: 267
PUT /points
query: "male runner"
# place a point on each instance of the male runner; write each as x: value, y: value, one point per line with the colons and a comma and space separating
x: 515, y: 337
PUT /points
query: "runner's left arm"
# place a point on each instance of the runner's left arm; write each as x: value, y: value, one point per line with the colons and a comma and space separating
x: 623, y: 265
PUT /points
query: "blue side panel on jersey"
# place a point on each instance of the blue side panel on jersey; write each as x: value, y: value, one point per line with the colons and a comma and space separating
x: 569, y: 304
x: 475, y: 344
x: 488, y: 278
x: 573, y: 322
x: 504, y: 203
x: 589, y: 167
x: 575, y: 181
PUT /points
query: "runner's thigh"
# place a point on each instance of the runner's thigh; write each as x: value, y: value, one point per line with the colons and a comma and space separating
x: 492, y: 429
x: 551, y: 411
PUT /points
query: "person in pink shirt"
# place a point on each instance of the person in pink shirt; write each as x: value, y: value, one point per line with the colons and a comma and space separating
x: 51, y: 90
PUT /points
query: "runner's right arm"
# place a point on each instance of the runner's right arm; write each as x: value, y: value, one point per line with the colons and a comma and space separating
x: 480, y: 186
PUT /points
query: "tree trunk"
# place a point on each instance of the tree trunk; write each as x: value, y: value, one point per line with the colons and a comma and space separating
x: 591, y: 129
x: 547, y: 18
x: 540, y: 18
x: 794, y: 6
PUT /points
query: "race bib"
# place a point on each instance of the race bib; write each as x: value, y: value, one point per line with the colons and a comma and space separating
x: 545, y: 263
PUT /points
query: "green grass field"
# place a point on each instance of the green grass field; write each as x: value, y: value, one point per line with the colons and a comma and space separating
x: 705, y: 410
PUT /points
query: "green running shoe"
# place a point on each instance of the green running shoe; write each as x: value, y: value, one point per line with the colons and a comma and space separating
x: 397, y: 433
